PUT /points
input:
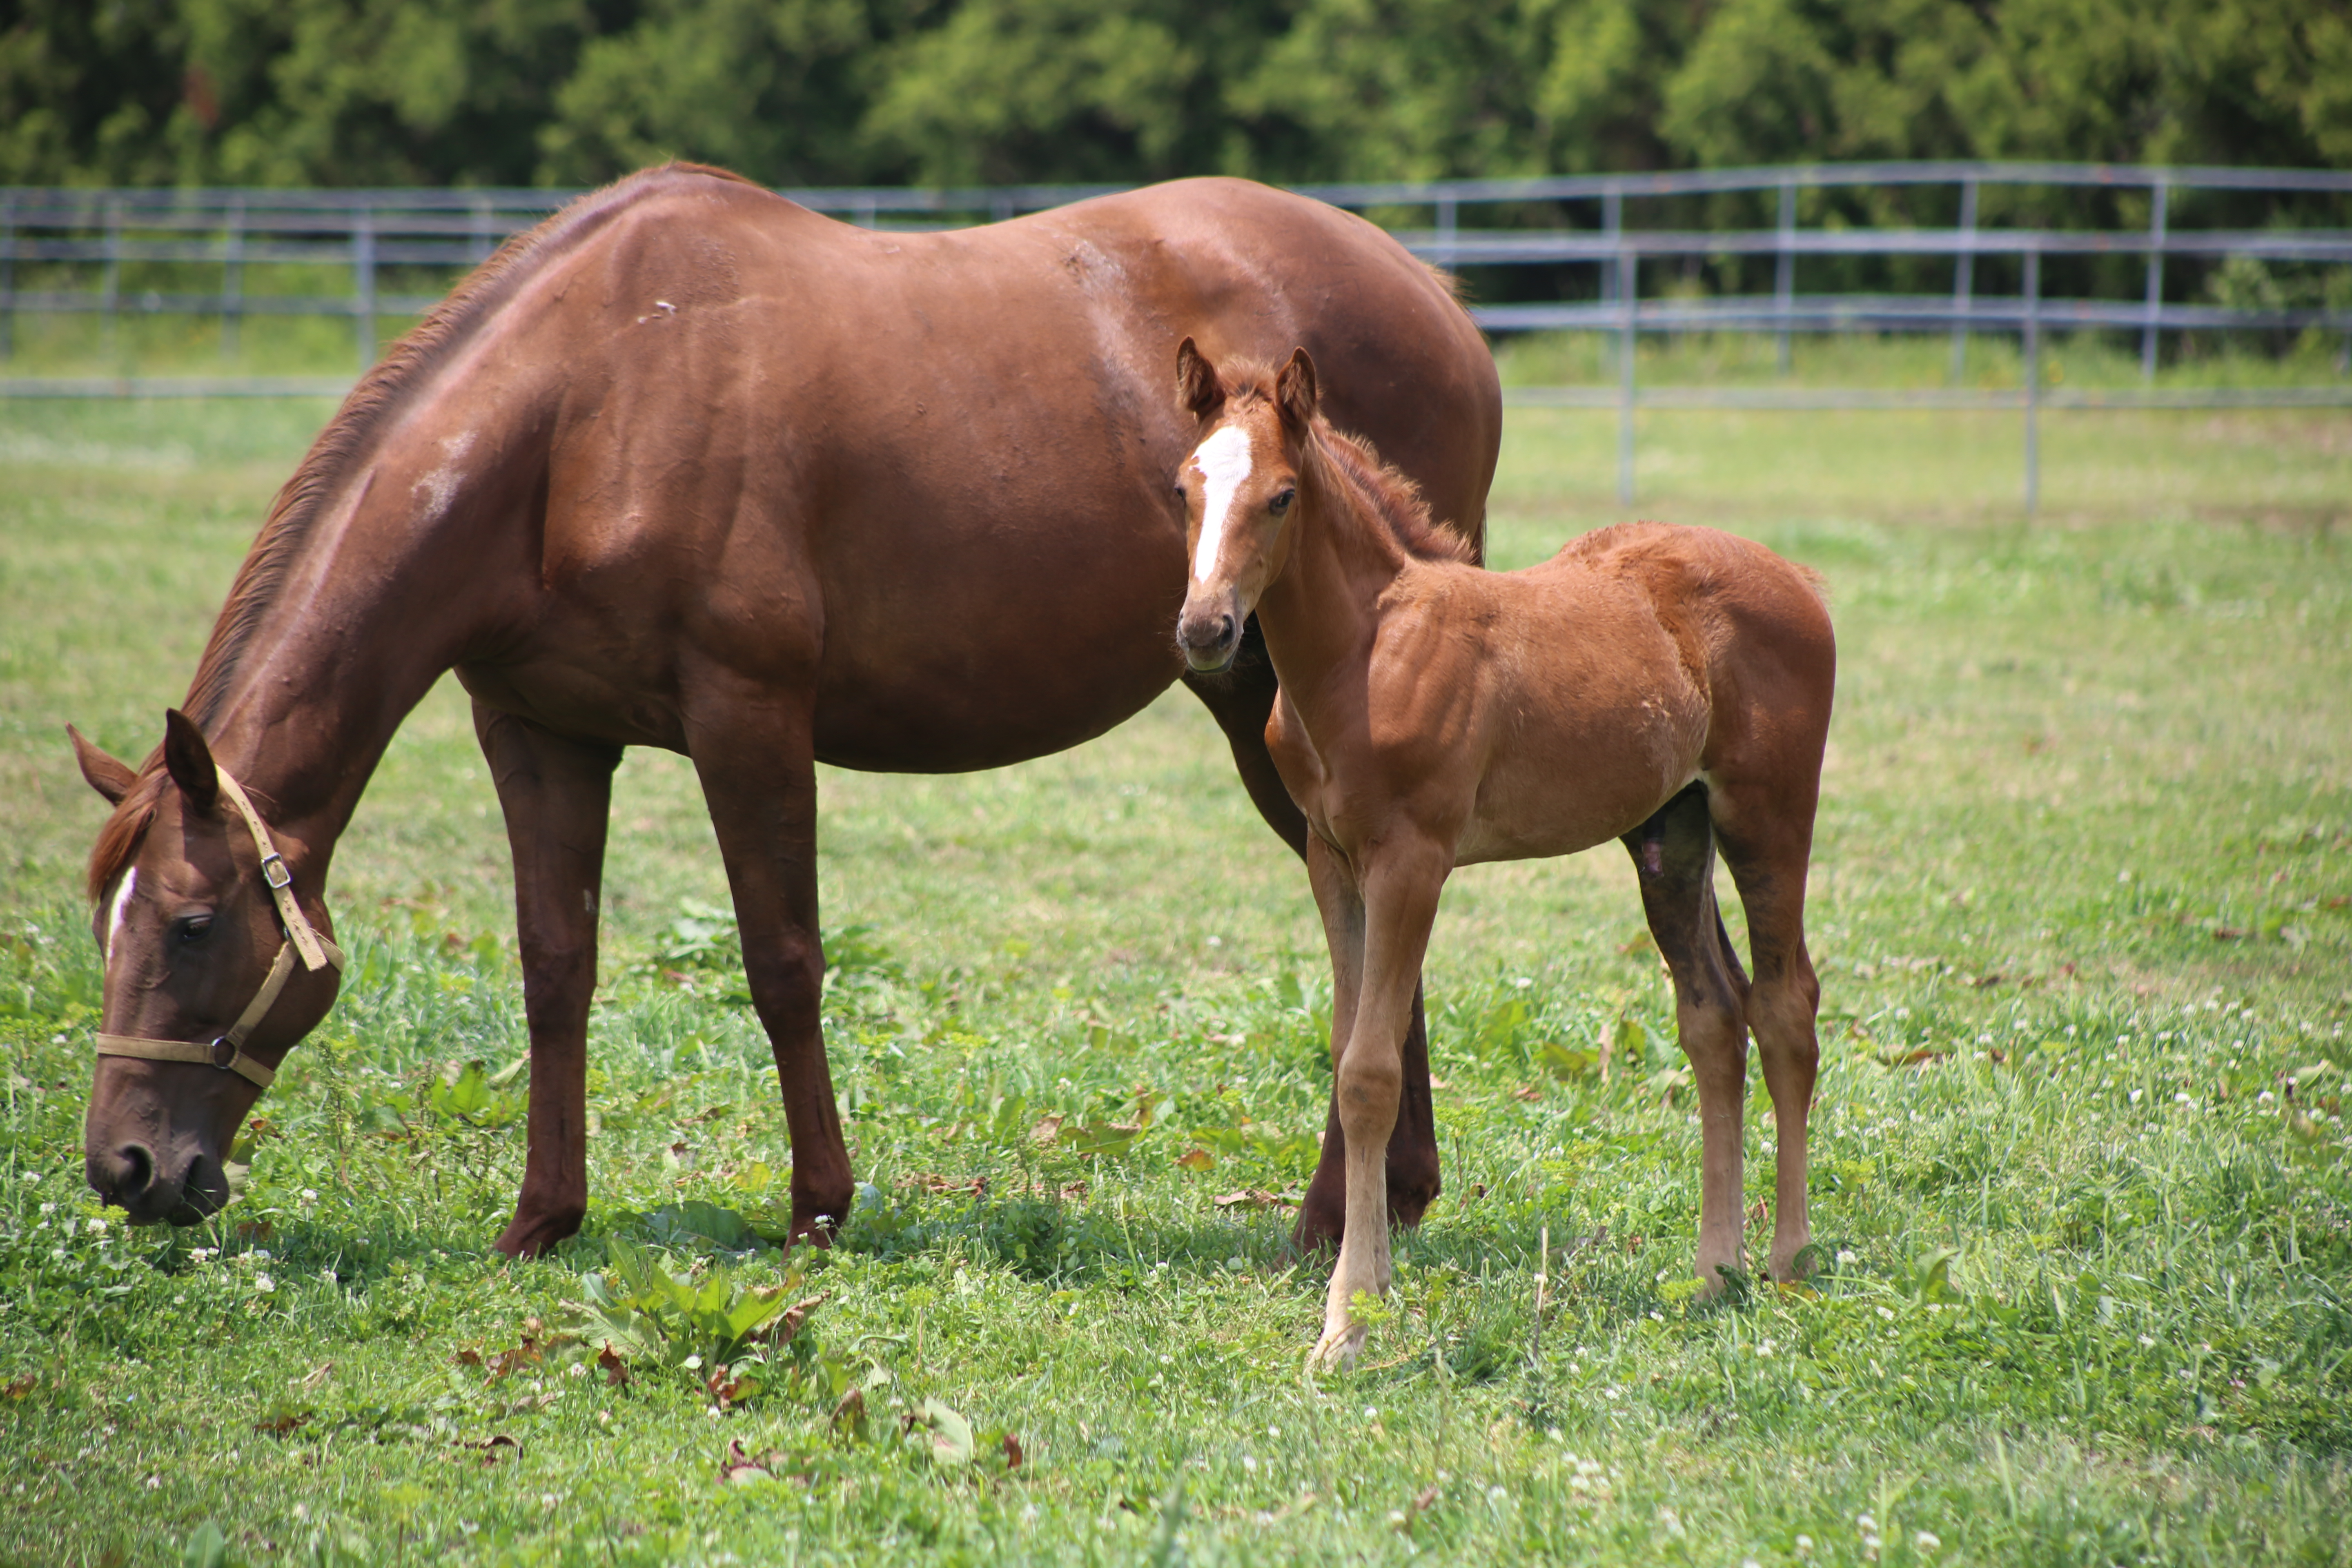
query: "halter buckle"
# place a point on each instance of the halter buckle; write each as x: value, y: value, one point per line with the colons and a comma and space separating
x: 274, y: 872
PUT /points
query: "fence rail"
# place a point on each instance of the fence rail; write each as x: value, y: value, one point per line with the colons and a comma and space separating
x: 62, y: 235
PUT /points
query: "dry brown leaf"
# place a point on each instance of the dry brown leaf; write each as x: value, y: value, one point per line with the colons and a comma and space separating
x: 1528, y: 1094
x: 279, y: 1425
x: 1196, y: 1160
x: 1253, y: 1197
x: 317, y: 1375
x: 1047, y: 1131
x: 851, y: 1411
x: 1013, y: 1453
x: 19, y: 1386
x: 616, y: 1371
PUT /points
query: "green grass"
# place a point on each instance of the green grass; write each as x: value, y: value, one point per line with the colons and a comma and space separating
x: 2087, y: 843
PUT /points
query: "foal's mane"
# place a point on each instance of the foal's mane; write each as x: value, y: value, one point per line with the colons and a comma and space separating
x: 1388, y: 496
x: 349, y: 437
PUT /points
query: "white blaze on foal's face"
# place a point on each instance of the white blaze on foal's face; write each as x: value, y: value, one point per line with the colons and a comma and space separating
x: 1222, y: 462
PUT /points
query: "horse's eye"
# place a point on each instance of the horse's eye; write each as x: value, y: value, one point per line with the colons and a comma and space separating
x: 1281, y: 503
x: 192, y: 930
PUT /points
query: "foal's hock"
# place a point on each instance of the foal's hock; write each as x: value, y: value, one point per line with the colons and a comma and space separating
x: 1667, y: 687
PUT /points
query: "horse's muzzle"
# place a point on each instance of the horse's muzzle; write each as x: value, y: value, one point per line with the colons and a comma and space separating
x: 131, y: 1177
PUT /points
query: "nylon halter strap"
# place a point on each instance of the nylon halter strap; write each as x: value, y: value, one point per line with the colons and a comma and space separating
x: 227, y: 1051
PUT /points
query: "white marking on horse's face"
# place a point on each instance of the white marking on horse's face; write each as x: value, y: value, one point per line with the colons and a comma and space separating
x: 1224, y: 462
x: 121, y: 907
x: 439, y: 486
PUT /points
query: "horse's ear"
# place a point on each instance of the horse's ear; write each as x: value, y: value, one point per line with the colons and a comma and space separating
x: 1196, y: 382
x: 106, y: 775
x: 1294, y: 392
x: 190, y: 760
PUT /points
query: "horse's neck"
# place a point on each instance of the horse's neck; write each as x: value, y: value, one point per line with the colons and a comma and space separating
x: 391, y: 580
x: 1319, y: 614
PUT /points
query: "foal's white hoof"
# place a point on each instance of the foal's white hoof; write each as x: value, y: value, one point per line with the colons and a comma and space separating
x: 1337, y: 1349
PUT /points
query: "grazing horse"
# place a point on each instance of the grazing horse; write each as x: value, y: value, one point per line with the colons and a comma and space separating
x: 1666, y: 685
x: 688, y: 466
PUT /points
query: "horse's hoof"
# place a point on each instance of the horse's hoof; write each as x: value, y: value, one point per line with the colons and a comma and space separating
x: 529, y: 1237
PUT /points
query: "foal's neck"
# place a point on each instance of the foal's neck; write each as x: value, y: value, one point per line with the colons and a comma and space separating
x: 1320, y: 611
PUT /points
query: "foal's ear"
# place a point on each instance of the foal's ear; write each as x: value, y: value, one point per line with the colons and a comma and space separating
x: 1294, y: 392
x: 108, y: 776
x: 1196, y: 382
x: 190, y: 760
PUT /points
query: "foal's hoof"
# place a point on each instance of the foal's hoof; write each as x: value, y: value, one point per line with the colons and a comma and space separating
x: 1338, y: 1350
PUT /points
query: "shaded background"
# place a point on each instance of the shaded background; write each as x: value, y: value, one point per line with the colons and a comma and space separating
x: 387, y: 93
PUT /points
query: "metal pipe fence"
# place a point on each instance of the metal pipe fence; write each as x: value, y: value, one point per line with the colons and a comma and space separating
x: 77, y: 245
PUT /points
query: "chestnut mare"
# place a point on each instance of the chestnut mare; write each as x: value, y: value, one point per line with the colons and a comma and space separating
x: 688, y: 466
x: 1667, y: 685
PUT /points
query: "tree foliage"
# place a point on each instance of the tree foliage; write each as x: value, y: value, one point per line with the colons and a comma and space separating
x: 953, y: 92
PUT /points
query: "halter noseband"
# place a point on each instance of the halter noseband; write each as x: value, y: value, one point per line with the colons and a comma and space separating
x: 227, y: 1051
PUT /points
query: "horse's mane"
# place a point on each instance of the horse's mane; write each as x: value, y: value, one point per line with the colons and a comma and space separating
x: 348, y: 436
x: 1389, y: 497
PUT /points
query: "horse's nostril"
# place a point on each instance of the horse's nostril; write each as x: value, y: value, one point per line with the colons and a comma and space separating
x: 136, y: 1172
x: 1225, y: 628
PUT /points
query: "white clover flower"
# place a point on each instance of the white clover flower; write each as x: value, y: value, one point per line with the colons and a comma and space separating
x: 264, y: 1283
x: 1804, y: 1546
x: 1846, y: 1255
x: 1927, y: 1540
x: 29, y: 1177
x: 96, y: 1226
x: 329, y: 1276
x: 310, y: 1195
x: 1249, y: 1463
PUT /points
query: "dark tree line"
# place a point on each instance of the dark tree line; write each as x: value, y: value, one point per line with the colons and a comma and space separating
x: 349, y: 92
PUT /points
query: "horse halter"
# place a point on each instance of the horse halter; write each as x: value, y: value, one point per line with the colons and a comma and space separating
x: 227, y: 1051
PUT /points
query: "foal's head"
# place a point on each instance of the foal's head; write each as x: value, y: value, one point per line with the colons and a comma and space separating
x: 1240, y: 483
x: 187, y: 928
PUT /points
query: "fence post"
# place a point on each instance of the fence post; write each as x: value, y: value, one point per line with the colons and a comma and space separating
x: 8, y: 278
x: 1629, y: 289
x: 1612, y: 229
x: 112, y: 288
x: 1784, y: 282
x: 2156, y: 223
x: 1446, y: 225
x: 2032, y: 379
x: 1964, y: 277
x: 233, y: 279
x: 478, y: 229
x: 363, y: 279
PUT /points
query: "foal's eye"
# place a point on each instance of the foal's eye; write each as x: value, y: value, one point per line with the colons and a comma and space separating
x: 1281, y: 503
x: 192, y: 930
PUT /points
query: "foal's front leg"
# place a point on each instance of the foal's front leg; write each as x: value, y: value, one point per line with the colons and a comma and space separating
x: 1399, y: 886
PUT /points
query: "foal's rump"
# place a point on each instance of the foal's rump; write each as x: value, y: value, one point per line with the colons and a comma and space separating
x: 1646, y: 656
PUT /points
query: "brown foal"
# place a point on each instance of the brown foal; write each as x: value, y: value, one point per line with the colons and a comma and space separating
x: 1669, y: 687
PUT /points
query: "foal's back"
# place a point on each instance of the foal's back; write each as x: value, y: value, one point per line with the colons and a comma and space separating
x: 1605, y: 679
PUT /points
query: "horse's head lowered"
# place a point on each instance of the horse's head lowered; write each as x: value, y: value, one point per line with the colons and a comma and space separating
x: 1239, y: 483
x: 216, y: 963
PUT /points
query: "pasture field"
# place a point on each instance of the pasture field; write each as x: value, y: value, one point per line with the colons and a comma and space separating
x: 2081, y: 1179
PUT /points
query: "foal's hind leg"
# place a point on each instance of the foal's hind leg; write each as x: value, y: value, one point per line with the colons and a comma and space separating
x: 1674, y: 854
x: 1767, y: 842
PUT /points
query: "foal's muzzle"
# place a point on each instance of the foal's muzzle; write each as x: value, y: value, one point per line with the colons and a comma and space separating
x: 1210, y: 633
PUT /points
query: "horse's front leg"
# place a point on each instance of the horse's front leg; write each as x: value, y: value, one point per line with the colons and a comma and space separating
x: 754, y: 754
x: 556, y: 795
x: 1400, y: 890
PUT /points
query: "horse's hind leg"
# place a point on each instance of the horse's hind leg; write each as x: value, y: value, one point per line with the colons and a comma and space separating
x: 1674, y: 856
x: 1768, y: 843
x: 556, y: 794
x: 1240, y: 700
